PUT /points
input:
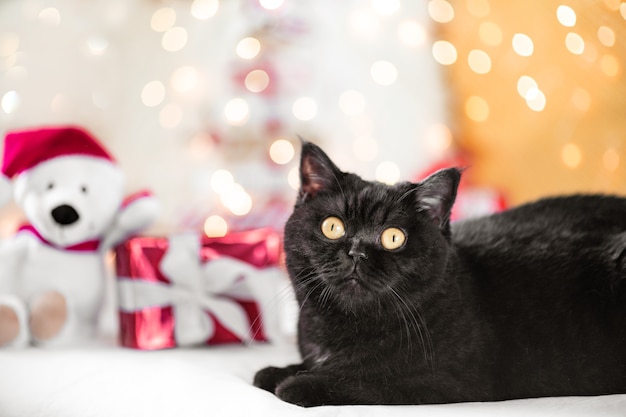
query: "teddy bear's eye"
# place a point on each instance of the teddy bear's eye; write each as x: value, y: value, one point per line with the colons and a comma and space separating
x: 83, y: 189
x: 50, y: 186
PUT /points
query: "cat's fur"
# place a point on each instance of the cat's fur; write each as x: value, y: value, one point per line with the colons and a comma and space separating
x: 526, y: 303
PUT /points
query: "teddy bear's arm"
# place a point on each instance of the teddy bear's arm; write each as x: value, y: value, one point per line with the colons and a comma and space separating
x: 138, y: 212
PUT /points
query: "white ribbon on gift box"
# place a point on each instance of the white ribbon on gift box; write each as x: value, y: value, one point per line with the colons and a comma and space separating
x: 197, y: 288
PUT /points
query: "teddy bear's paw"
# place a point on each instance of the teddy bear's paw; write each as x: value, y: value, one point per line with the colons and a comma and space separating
x: 9, y: 325
x: 48, y: 315
x: 13, y: 328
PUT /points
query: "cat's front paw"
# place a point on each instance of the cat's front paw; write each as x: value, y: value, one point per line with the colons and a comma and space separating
x: 304, y: 390
x: 269, y: 378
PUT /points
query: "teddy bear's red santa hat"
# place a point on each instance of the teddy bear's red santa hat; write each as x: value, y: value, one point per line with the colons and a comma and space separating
x: 24, y: 149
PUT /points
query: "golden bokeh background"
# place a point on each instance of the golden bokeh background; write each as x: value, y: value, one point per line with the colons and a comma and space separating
x: 538, y: 92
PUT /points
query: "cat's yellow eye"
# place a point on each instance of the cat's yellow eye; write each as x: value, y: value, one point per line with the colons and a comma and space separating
x: 333, y: 228
x: 392, y: 238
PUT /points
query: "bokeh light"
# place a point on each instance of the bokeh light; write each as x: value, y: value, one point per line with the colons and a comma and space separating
x: 237, y: 200
x: 10, y: 102
x: 477, y: 109
x: 174, y: 39
x: 271, y: 4
x: 257, y: 81
x: 184, y: 79
x: 387, y: 172
x: 222, y: 180
x: 566, y: 16
x: 523, y: 45
x: 237, y: 111
x: 411, y: 33
x: 490, y: 33
x: 215, y: 226
x: 50, y: 16
x: 606, y: 36
x: 478, y: 8
x: 444, y: 52
x: 97, y: 45
x: 571, y: 155
x: 440, y: 11
x: 384, y: 72
x: 609, y: 65
x: 526, y: 84
x: 536, y: 99
x: 386, y: 7
x: 204, y: 9
x: 479, y: 61
x: 282, y: 151
x: 575, y: 43
x: 293, y: 178
x: 248, y: 48
x: 163, y: 19
x: 304, y: 108
x: 153, y: 93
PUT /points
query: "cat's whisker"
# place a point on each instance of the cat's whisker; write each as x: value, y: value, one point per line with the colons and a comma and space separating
x: 430, y: 350
x: 420, y: 326
x: 282, y: 296
x: 400, y: 313
x: 287, y: 290
x: 325, y: 296
x: 406, y: 194
x: 398, y: 307
x: 273, y: 304
x: 308, y: 294
x: 338, y: 182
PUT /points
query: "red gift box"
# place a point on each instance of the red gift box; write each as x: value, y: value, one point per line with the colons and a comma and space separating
x: 188, y: 290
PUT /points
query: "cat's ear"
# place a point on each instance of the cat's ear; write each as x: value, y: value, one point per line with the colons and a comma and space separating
x: 436, y: 195
x: 317, y: 172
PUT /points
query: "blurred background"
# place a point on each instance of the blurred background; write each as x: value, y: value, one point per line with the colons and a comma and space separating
x: 203, y: 101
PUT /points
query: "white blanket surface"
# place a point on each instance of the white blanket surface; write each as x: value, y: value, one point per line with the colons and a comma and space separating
x: 110, y: 381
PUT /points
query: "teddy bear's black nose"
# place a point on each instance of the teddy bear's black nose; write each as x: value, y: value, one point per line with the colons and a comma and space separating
x: 65, y: 215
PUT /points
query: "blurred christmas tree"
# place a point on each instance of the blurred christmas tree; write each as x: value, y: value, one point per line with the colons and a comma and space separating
x: 203, y: 100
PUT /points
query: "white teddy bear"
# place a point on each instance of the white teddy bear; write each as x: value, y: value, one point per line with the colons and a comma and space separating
x: 52, y: 271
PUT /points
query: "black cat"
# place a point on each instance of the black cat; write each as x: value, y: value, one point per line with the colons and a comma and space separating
x: 399, y: 307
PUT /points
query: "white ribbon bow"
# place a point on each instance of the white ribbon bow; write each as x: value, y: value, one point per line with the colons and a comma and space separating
x: 198, y: 287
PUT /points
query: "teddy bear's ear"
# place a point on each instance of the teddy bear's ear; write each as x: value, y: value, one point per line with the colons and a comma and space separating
x: 6, y: 190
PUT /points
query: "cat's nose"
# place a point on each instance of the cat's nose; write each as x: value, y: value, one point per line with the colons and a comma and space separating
x: 357, y: 253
